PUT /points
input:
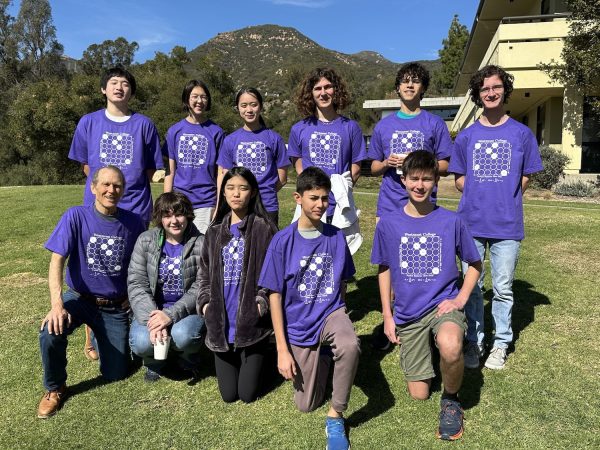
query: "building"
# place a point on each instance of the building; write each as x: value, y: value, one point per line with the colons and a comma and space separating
x: 518, y: 35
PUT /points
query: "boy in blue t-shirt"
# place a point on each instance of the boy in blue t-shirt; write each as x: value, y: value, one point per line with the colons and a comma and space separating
x: 305, y: 269
x: 416, y: 249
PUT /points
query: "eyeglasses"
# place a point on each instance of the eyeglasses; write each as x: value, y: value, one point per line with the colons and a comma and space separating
x: 408, y: 80
x: 495, y: 88
x: 204, y: 98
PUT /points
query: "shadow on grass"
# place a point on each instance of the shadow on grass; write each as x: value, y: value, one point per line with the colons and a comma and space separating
x: 523, y: 313
x: 364, y: 299
x: 371, y: 380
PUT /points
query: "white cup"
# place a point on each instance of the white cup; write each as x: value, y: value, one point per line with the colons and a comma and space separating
x: 399, y: 169
x: 161, y: 348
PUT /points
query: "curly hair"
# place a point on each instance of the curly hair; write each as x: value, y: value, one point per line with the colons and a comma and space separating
x: 416, y: 70
x: 489, y: 71
x: 172, y: 203
x: 304, y: 99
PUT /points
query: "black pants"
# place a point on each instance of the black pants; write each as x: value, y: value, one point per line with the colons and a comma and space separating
x: 239, y: 372
x: 274, y: 216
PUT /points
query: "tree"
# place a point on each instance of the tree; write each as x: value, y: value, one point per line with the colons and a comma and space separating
x: 451, y: 56
x: 99, y: 57
x: 579, y: 66
x: 39, y: 51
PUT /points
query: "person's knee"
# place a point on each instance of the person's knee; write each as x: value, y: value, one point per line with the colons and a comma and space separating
x: 348, y: 346
x: 418, y: 390
x: 305, y: 405
x: 116, y: 372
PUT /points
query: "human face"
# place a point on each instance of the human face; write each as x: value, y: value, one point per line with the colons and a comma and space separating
x: 249, y: 109
x: 314, y: 203
x: 198, y: 101
x: 410, y: 89
x: 108, y: 191
x: 419, y: 186
x: 118, y: 90
x: 174, y: 225
x: 491, y: 93
x: 238, y: 193
x: 323, y: 94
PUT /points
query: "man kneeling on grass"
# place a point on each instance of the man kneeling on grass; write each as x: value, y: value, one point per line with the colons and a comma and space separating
x: 98, y: 241
x: 416, y: 249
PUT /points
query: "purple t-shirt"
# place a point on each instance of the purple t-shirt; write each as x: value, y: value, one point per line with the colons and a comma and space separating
x: 393, y: 134
x: 133, y: 146
x: 233, y: 263
x: 493, y: 160
x: 263, y: 152
x: 98, y: 249
x: 421, y: 254
x: 194, y: 148
x: 170, y: 277
x: 308, y: 273
x: 332, y: 146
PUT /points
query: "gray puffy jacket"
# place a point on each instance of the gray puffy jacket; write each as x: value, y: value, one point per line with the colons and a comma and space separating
x: 142, y: 278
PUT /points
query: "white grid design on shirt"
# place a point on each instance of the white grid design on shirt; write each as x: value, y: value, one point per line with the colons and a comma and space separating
x: 253, y: 156
x: 420, y: 255
x: 116, y: 149
x: 192, y: 149
x: 316, y: 276
x: 233, y: 260
x: 324, y: 149
x: 491, y: 158
x: 105, y: 254
x: 170, y: 274
x: 406, y: 141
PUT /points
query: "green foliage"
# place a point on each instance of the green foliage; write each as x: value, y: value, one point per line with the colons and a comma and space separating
x: 575, y: 189
x: 554, y: 162
x: 99, y: 57
x: 451, y: 56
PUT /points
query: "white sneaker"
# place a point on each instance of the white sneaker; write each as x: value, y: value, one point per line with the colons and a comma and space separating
x: 497, y: 359
x: 472, y: 355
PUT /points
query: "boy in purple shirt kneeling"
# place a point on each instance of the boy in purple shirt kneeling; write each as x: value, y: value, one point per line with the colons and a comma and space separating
x: 416, y: 249
x: 305, y: 269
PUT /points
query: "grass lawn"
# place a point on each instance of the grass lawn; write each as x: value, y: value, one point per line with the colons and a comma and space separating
x: 547, y: 397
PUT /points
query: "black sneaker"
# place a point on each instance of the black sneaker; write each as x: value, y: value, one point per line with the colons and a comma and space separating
x: 151, y: 376
x: 379, y: 341
x: 451, y: 421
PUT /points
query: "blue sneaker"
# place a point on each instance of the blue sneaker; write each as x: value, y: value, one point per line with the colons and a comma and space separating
x: 151, y: 376
x: 451, y: 421
x: 336, y: 434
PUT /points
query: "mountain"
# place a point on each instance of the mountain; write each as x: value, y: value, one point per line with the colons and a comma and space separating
x: 274, y: 58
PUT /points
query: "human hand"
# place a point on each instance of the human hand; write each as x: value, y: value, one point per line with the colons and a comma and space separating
x: 56, y: 318
x: 158, y: 336
x: 448, y: 306
x: 396, y: 159
x: 158, y: 320
x: 286, y: 365
x: 389, y: 329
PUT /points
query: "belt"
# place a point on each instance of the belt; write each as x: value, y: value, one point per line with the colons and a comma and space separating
x: 120, y: 302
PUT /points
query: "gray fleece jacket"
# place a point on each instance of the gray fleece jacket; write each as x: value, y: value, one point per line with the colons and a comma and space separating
x: 142, y: 278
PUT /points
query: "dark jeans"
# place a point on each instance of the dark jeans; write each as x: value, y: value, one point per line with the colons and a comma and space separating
x: 239, y: 372
x: 110, y: 326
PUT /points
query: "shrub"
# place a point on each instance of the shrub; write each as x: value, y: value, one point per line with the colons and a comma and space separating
x: 575, y: 189
x: 554, y: 162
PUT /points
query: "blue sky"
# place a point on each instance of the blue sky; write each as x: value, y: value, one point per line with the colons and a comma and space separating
x: 400, y: 30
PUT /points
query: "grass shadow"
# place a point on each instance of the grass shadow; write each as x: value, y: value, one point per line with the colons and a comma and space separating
x: 364, y: 299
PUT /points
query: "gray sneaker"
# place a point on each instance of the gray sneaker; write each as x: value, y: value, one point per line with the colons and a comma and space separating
x: 496, y: 359
x: 472, y: 355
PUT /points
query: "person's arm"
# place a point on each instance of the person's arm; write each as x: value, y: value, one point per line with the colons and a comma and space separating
x: 58, y: 316
x: 443, y: 167
x: 168, y: 184
x: 86, y: 169
x: 462, y: 298
x: 285, y: 361
x: 385, y: 295
x: 297, y: 162
x: 139, y: 290
x: 355, y: 170
x: 459, y: 182
x: 524, y: 183
x: 221, y: 171
x: 282, y: 180
x: 203, y: 281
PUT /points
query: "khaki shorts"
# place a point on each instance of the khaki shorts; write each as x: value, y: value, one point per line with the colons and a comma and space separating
x: 415, y: 347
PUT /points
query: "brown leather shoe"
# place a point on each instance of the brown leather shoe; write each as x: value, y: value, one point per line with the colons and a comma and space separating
x: 51, y: 402
x: 88, y: 349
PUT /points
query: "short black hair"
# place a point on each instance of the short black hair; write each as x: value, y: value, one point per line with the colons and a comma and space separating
x: 312, y: 178
x: 413, y: 69
x: 489, y: 71
x: 172, y: 202
x: 420, y: 161
x: 118, y: 72
x: 187, y: 91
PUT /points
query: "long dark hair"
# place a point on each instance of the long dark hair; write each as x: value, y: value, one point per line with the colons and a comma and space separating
x: 254, y: 93
x: 255, y: 206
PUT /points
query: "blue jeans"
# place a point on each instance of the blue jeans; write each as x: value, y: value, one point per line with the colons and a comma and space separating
x: 504, y: 255
x: 186, y: 340
x: 110, y: 326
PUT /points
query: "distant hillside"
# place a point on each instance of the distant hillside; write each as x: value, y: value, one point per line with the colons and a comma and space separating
x: 269, y: 57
